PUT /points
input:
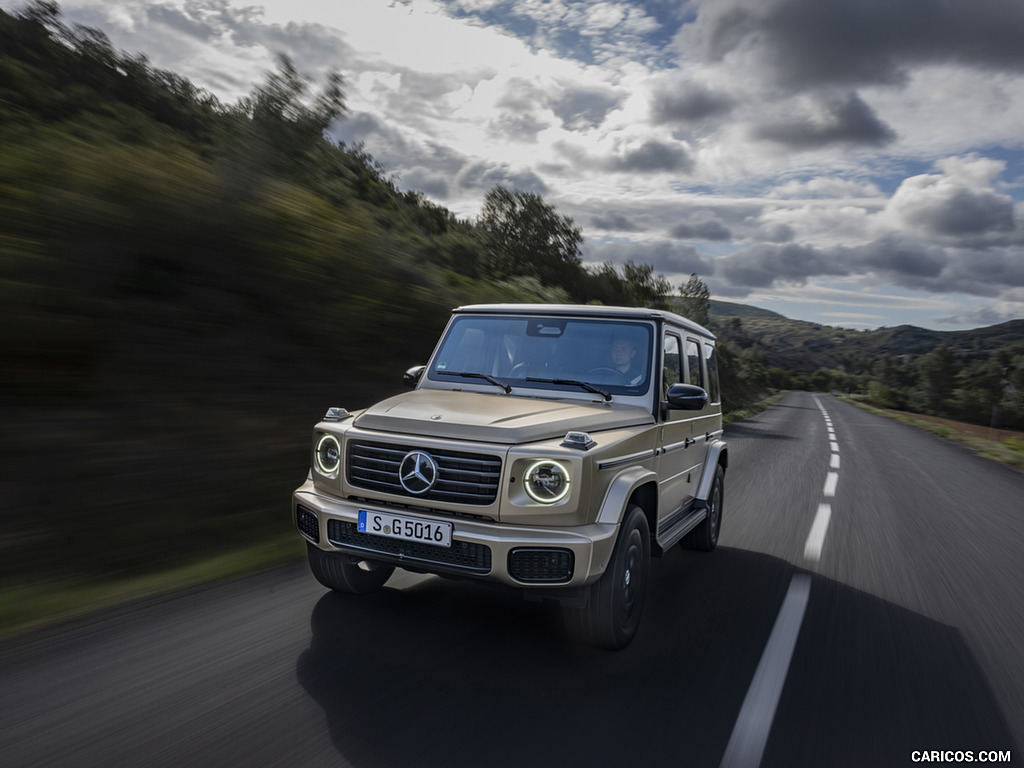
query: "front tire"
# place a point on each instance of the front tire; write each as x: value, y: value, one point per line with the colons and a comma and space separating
x: 342, y: 573
x: 615, y: 602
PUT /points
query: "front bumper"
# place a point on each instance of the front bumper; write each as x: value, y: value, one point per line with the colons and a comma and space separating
x: 509, y: 554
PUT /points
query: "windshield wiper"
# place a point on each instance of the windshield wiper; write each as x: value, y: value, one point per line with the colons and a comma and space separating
x: 469, y: 375
x: 573, y: 382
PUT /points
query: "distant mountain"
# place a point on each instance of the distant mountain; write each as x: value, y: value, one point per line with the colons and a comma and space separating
x: 804, y: 347
x: 731, y: 309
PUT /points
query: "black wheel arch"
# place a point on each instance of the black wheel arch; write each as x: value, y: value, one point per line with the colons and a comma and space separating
x: 645, y: 497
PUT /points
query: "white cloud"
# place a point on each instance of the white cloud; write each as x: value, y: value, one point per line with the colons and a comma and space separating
x: 852, y: 295
x: 825, y: 186
x: 959, y: 202
x: 834, y: 224
x: 771, y: 155
x: 949, y: 109
x: 972, y: 172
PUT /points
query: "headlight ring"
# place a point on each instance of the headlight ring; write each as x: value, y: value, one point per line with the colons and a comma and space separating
x: 327, y: 456
x: 547, y: 481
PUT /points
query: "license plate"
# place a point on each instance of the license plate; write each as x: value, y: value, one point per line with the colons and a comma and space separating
x: 407, y: 528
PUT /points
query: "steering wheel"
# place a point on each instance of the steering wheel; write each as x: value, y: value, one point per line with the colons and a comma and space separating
x: 609, y: 375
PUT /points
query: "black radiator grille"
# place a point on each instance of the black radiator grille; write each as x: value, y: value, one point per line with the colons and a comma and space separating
x: 461, y: 555
x: 463, y: 478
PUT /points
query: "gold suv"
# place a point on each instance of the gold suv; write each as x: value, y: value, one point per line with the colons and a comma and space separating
x: 551, y: 448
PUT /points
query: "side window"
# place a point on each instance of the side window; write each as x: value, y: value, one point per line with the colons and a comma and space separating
x: 673, y: 364
x: 693, y: 363
x: 714, y: 394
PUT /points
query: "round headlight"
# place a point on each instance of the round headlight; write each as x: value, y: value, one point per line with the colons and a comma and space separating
x: 328, y: 455
x: 547, y: 481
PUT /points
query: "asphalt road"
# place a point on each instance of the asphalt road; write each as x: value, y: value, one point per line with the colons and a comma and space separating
x: 865, y: 604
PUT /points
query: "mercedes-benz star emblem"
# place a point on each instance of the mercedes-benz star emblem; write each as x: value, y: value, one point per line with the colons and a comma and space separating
x: 417, y: 472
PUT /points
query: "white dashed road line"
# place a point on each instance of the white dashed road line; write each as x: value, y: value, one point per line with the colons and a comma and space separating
x: 816, y: 538
x: 819, y: 528
x: 754, y: 723
x: 831, y: 481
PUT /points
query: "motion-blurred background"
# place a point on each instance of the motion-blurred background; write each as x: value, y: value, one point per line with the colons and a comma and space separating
x: 186, y: 286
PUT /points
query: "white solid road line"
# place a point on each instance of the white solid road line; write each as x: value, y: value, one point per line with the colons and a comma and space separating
x: 750, y: 734
x: 816, y: 538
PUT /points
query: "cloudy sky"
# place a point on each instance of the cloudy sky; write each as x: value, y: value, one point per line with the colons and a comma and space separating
x: 852, y: 162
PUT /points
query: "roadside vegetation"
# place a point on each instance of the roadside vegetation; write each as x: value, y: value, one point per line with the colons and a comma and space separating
x: 1001, y: 445
x: 745, y: 412
x: 976, y: 376
x: 186, y: 286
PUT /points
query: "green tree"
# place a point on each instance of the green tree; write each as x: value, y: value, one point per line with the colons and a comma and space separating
x: 938, y: 375
x: 643, y: 288
x: 696, y: 304
x: 603, y: 285
x: 527, y: 236
x: 1013, y: 395
x: 981, y: 391
x: 286, y: 127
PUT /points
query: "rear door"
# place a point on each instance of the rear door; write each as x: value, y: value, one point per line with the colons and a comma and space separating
x: 707, y: 421
x: 678, y: 463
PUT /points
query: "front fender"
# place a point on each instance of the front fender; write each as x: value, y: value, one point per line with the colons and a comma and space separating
x: 620, y: 490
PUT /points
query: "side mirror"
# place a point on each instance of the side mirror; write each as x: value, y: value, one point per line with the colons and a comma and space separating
x: 412, y: 377
x: 686, y: 397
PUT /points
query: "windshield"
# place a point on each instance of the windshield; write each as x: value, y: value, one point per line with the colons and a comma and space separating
x: 559, y: 353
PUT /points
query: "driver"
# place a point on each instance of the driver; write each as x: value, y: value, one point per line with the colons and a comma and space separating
x: 623, y: 355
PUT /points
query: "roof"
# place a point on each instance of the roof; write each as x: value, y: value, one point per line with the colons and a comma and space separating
x: 587, y: 310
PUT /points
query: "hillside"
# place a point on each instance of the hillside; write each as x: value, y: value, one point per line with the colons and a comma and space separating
x: 186, y: 285
x: 975, y: 376
x: 731, y: 309
x: 805, y: 347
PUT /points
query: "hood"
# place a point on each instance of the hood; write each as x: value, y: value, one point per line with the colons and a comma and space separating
x: 493, y: 418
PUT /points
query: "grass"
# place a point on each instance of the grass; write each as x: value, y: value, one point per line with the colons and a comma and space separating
x: 1009, y: 451
x: 752, y: 409
x: 37, y: 605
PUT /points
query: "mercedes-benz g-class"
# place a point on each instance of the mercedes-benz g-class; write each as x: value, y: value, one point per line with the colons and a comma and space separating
x: 551, y: 448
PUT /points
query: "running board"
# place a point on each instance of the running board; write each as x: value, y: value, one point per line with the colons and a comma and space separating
x: 686, y: 523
